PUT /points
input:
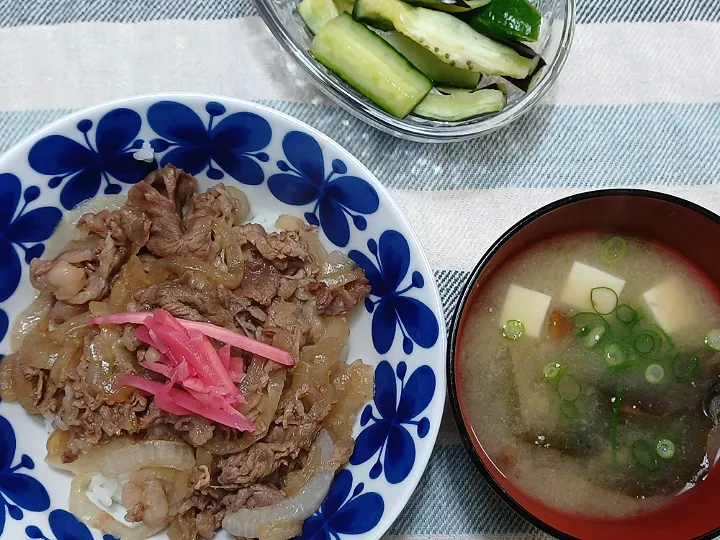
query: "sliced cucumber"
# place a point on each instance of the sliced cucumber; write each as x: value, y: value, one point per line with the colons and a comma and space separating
x: 437, y: 70
x: 370, y: 65
x: 316, y: 13
x: 517, y: 20
x: 450, y: 6
x: 460, y: 105
x: 450, y: 90
x: 528, y: 82
x: 447, y: 37
x: 345, y: 5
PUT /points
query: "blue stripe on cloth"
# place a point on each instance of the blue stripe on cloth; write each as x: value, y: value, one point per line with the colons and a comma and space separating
x: 603, y: 11
x: 453, y: 498
x: 42, y: 12
x: 14, y: 126
x: 450, y: 284
x: 552, y: 146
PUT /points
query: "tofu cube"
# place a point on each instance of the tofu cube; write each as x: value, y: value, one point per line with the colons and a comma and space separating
x: 670, y: 305
x: 580, y: 282
x: 527, y: 306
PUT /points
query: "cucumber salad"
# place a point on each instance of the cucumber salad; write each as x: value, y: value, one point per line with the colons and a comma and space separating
x: 427, y: 57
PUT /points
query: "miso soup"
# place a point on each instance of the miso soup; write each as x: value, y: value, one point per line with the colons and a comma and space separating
x: 587, y: 367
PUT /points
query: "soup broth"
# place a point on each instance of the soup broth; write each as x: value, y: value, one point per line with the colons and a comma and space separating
x: 584, y: 371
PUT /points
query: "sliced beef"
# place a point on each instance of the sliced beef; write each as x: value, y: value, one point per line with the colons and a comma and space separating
x: 82, y: 272
x: 44, y: 390
x: 201, y: 513
x: 254, y: 496
x: 264, y: 458
x: 182, y: 220
x: 287, y: 287
x: 274, y: 246
x: 186, y: 303
x: 342, y: 453
x: 286, y: 326
x: 197, y: 430
x: 204, y: 209
x: 261, y: 281
x: 294, y: 432
x: 89, y: 419
x: 128, y: 226
x: 161, y: 197
x: 288, y: 341
x: 333, y: 302
x: 200, y: 478
x: 285, y: 315
x: 162, y: 431
x: 62, y: 311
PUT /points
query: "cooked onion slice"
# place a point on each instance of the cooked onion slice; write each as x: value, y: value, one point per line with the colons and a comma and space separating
x: 29, y: 319
x: 250, y: 522
x: 83, y: 509
x: 168, y: 454
x: 339, y: 270
x: 281, y: 530
x: 122, y: 456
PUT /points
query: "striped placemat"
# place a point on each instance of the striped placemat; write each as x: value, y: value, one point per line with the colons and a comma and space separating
x: 638, y: 104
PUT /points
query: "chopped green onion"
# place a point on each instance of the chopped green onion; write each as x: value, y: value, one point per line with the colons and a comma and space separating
x: 513, y: 330
x: 592, y: 327
x: 616, y: 402
x: 625, y: 313
x: 604, y: 300
x: 685, y: 367
x: 663, y: 333
x: 647, y: 342
x: 614, y: 355
x: 639, y: 316
x: 552, y: 370
x: 654, y: 373
x: 594, y: 336
x: 586, y: 321
x: 613, y: 250
x: 569, y: 409
x: 712, y: 339
x: 568, y: 388
x: 631, y: 362
x: 645, y: 457
x: 665, y: 448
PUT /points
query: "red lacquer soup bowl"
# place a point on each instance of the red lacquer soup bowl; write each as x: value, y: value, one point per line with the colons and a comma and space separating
x: 679, y: 225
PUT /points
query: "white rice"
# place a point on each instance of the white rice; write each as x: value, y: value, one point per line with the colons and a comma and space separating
x: 107, y: 490
x: 145, y: 153
x: 49, y: 418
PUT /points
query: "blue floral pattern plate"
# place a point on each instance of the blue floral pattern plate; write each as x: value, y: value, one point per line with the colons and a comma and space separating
x: 283, y: 166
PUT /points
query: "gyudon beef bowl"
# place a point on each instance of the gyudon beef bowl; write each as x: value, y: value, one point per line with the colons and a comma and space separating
x: 584, y: 367
x: 161, y: 346
x: 197, y: 352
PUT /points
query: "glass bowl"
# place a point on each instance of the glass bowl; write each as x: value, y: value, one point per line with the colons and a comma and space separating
x: 554, y: 44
